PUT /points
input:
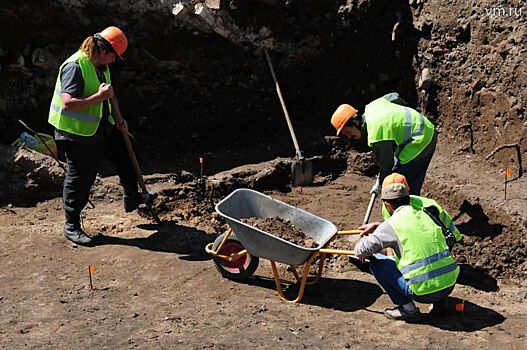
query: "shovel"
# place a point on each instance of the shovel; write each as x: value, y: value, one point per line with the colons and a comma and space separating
x: 370, y: 207
x: 301, y: 168
x: 118, y: 118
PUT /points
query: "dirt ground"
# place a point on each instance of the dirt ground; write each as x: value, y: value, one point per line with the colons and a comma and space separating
x: 154, y: 286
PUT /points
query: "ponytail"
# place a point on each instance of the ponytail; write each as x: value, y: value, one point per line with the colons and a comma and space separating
x: 93, y: 47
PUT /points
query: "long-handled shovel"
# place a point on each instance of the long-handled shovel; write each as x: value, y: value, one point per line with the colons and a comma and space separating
x: 353, y: 259
x: 301, y: 168
x: 370, y: 207
x: 118, y: 118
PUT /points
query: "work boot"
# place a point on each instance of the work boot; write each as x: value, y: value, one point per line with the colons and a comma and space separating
x: 74, y: 233
x: 439, y: 308
x: 132, y: 202
x: 399, y: 313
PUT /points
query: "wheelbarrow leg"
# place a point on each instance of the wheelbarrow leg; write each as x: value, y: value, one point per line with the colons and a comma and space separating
x: 302, y: 282
x: 316, y: 279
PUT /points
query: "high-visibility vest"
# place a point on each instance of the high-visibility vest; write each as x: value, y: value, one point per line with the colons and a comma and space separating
x: 426, y: 262
x: 410, y: 130
x: 83, y: 122
x: 423, y: 202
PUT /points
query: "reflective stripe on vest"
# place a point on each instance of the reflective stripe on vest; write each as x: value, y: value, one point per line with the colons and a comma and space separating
x: 74, y: 115
x: 432, y: 274
x: 408, y: 136
x: 425, y: 261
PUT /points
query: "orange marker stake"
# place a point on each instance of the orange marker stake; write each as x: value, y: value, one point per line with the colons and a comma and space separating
x: 508, y: 174
x: 201, y: 166
x: 460, y: 307
x: 91, y: 270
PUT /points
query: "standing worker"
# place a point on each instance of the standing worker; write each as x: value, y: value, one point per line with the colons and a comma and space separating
x: 85, y: 130
x: 422, y: 269
x: 402, y: 139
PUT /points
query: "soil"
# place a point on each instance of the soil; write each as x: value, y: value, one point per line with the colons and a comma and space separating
x: 282, y: 228
x: 189, y: 92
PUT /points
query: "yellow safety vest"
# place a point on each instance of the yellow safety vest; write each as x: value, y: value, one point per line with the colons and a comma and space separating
x: 83, y: 122
x: 410, y: 130
x: 426, y: 262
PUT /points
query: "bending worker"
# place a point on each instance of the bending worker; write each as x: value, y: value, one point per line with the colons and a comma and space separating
x: 85, y: 130
x: 402, y: 139
x: 422, y: 269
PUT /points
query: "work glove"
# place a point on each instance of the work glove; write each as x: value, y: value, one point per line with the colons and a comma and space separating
x: 376, y: 188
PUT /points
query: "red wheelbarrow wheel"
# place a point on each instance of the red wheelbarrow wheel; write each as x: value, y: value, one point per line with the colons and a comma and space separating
x: 236, y: 270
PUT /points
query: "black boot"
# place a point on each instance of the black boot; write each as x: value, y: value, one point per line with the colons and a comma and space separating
x: 440, y: 308
x: 74, y: 232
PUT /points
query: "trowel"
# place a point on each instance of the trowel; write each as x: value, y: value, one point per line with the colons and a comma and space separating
x: 301, y: 168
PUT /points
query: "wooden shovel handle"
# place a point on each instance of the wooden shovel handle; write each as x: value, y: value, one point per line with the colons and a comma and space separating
x: 370, y: 207
x: 116, y: 112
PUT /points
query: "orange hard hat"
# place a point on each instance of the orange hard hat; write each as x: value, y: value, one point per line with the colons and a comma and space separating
x: 341, y: 116
x: 395, y: 178
x: 115, y: 37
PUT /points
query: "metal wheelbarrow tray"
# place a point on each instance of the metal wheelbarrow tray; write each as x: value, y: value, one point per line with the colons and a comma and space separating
x: 254, y: 242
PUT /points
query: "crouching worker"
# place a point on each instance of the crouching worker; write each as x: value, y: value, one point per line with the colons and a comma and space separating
x: 440, y: 216
x: 422, y: 269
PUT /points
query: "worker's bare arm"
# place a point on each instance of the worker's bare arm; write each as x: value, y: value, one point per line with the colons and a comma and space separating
x: 79, y: 103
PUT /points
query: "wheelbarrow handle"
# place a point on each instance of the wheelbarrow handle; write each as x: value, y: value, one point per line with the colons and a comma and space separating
x: 349, y: 232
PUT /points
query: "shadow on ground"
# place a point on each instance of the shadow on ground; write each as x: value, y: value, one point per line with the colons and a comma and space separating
x: 479, y: 224
x: 337, y: 294
x: 473, y: 318
x: 168, y: 237
x: 477, y: 278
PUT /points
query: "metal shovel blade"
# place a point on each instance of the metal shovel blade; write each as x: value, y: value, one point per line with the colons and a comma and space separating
x: 301, y: 172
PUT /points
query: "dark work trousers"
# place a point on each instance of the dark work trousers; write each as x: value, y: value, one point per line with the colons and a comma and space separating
x: 83, y: 162
x: 415, y: 170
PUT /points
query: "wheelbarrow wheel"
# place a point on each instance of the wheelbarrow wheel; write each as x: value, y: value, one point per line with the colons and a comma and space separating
x: 239, y: 269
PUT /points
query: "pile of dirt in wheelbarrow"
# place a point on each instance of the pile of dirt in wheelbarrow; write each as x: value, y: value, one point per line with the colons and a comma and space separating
x: 282, y: 228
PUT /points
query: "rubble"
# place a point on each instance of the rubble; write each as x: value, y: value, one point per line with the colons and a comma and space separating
x: 425, y: 80
x: 31, y: 176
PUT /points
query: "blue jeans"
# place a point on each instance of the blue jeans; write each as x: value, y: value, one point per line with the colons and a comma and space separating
x: 415, y: 170
x: 390, y: 278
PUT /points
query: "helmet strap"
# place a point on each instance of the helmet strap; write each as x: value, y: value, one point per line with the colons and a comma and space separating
x: 105, y: 42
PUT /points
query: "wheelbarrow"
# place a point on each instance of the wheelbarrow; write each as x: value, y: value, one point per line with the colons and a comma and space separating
x: 236, y: 253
